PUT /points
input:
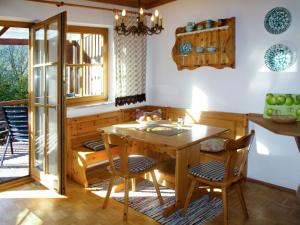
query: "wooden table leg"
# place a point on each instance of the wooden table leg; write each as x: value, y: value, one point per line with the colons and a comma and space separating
x: 181, y: 181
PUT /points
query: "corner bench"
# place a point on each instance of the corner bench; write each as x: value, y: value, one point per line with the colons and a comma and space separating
x: 84, y: 158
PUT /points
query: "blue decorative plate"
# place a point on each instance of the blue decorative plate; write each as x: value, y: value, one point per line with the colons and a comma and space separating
x: 185, y: 48
x: 278, y: 20
x: 279, y: 57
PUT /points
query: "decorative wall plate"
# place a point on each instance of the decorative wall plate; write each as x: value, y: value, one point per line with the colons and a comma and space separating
x: 185, y: 48
x: 279, y: 57
x: 277, y: 20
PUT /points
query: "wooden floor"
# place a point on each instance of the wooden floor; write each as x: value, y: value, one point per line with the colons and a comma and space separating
x: 32, y: 204
x: 14, y: 165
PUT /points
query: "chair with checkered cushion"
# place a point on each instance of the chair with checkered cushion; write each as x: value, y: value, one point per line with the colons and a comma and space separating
x: 223, y: 174
x: 127, y: 166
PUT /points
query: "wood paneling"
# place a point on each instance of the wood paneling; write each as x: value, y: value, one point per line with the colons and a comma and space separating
x: 147, y: 4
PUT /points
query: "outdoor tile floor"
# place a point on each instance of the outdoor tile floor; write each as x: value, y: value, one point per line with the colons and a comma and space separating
x: 14, y: 165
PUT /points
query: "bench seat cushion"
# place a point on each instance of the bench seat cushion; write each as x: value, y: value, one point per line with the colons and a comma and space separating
x: 95, y: 145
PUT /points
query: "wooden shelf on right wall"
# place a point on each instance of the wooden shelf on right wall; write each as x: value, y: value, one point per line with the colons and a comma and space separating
x: 221, y: 36
x: 282, y: 129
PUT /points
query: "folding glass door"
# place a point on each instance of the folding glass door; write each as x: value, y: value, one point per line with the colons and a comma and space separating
x: 47, y: 102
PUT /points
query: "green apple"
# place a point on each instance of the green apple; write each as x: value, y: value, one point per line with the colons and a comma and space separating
x: 289, y: 100
x: 273, y: 101
x: 269, y: 112
x: 269, y: 98
x: 280, y: 100
x: 298, y: 112
x: 297, y: 101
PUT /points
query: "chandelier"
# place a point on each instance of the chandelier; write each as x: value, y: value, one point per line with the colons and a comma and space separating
x: 140, y: 28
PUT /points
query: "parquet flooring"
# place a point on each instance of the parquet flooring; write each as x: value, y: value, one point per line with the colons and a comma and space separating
x: 32, y: 204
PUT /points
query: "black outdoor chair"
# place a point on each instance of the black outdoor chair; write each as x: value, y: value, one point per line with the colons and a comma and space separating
x: 16, y: 118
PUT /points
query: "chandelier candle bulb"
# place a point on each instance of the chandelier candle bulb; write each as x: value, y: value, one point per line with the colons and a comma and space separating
x: 156, y: 13
x: 117, y: 19
x: 141, y: 14
x: 123, y: 16
x: 160, y: 21
x: 123, y: 12
x: 152, y: 21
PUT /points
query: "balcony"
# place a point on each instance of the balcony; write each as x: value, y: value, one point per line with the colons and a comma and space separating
x: 15, y: 165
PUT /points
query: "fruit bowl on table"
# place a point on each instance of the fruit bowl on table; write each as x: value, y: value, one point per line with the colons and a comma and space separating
x: 148, y: 123
x: 286, y: 119
x: 149, y: 120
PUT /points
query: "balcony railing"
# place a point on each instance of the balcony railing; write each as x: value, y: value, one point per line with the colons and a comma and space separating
x: 14, y: 102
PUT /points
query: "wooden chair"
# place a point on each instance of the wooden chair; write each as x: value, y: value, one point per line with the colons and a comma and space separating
x: 223, y: 174
x: 127, y: 167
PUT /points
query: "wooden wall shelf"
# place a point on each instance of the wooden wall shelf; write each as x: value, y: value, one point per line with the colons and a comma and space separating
x: 221, y: 36
x: 282, y: 129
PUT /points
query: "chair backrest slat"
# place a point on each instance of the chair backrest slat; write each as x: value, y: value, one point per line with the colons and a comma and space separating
x: 122, y: 143
x: 17, y: 120
x: 237, y: 154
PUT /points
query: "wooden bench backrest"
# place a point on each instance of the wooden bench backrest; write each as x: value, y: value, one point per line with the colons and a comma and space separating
x: 84, y: 128
x: 236, y: 122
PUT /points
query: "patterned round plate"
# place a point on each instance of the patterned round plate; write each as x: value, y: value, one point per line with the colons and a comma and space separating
x: 279, y: 57
x: 278, y: 20
x: 185, y: 48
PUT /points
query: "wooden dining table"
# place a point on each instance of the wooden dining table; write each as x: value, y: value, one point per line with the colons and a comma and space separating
x: 181, y: 143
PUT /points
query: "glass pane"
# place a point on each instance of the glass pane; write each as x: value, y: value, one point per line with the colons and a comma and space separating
x: 52, y: 41
x: 51, y: 84
x: 93, y: 80
x: 73, y: 77
x: 73, y: 48
x: 92, y: 48
x: 39, y: 51
x: 52, y: 142
x: 38, y: 84
x: 39, y: 137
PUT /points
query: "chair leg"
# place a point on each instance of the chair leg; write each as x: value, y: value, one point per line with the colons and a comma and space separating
x: 133, y: 184
x: 11, y: 145
x: 211, y: 191
x: 161, y: 201
x: 5, y: 150
x: 242, y: 200
x: 125, y: 215
x: 225, y: 205
x: 188, y: 197
x: 110, y: 186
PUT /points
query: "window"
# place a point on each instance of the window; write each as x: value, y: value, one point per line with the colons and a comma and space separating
x: 86, y: 64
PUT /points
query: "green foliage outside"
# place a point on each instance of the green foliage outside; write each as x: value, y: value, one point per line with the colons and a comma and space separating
x: 13, y: 72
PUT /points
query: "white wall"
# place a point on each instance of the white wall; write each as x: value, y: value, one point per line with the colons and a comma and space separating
x: 22, y: 10
x: 275, y: 158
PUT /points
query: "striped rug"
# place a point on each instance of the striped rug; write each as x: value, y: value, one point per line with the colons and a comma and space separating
x: 144, y: 200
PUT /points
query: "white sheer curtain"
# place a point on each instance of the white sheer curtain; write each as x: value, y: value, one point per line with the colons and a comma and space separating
x: 130, y: 54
